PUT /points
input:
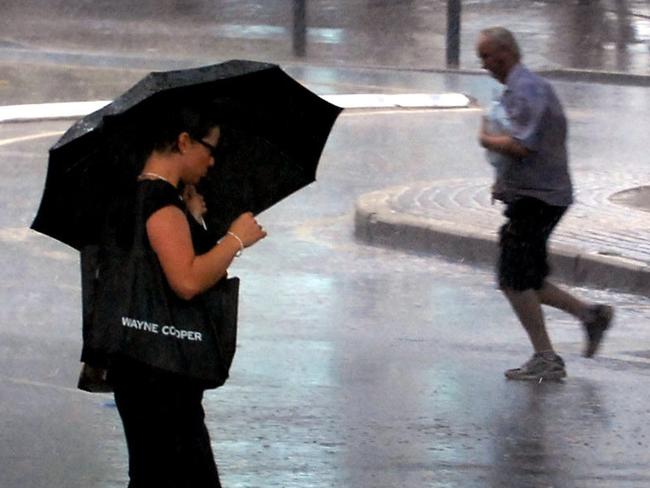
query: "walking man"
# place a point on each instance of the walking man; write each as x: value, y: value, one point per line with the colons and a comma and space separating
x: 537, y: 191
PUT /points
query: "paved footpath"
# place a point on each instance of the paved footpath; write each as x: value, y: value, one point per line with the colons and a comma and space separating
x: 603, y: 241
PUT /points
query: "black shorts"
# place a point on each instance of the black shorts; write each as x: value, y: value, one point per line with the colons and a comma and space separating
x: 523, y: 263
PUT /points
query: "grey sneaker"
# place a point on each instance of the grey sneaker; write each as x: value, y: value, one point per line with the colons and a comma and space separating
x: 539, y: 367
x: 595, y: 327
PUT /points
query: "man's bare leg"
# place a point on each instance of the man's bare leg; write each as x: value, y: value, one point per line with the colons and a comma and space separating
x: 595, y: 318
x: 528, y: 308
x: 555, y: 297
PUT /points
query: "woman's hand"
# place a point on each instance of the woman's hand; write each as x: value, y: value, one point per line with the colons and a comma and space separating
x: 188, y: 274
x: 246, y: 228
x: 194, y: 202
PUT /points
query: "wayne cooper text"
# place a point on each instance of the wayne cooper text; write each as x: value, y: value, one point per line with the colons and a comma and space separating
x: 167, y: 330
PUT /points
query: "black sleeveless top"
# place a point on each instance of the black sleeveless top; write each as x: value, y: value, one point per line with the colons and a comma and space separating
x: 122, y: 370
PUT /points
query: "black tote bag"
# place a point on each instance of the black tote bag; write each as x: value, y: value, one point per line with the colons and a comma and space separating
x: 130, y: 311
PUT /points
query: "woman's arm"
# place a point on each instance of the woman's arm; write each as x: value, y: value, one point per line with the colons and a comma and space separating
x: 188, y: 274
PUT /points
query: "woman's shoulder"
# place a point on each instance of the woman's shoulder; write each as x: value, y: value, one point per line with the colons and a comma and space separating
x: 157, y: 194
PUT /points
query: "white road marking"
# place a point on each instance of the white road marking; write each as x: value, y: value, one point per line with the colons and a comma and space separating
x: 41, y: 135
x: 45, y: 111
x: 39, y: 384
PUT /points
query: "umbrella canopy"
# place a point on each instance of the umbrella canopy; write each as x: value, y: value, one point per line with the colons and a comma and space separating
x: 272, y: 140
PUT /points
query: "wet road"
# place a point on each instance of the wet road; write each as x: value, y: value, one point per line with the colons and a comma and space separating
x: 585, y: 34
x: 51, y: 36
x: 357, y: 366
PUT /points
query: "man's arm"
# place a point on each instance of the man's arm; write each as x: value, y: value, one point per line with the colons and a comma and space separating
x: 527, y: 104
x: 502, y: 143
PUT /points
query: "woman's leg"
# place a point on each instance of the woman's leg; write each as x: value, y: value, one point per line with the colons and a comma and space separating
x: 168, y: 442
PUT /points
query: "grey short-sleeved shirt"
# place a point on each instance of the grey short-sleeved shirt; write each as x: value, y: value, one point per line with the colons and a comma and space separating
x: 539, y: 124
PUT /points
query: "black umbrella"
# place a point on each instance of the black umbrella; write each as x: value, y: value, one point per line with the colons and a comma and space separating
x: 272, y: 139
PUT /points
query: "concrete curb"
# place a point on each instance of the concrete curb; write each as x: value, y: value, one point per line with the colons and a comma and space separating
x: 74, y: 110
x: 378, y: 224
x: 595, y: 76
x: 559, y: 74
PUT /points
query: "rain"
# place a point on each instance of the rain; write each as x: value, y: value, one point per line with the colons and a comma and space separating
x: 372, y: 337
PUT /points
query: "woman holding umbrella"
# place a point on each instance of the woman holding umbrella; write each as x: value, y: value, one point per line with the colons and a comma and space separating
x: 162, y: 414
x: 275, y: 130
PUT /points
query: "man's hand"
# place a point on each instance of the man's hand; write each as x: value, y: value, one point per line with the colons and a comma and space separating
x: 502, y: 143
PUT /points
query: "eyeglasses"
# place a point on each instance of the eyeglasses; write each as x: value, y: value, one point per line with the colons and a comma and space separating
x: 210, y: 147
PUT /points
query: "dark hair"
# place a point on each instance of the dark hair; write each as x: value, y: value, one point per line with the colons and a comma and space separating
x: 130, y: 138
x: 164, y: 126
x: 155, y: 125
